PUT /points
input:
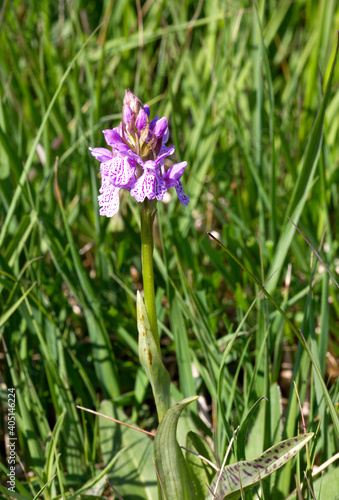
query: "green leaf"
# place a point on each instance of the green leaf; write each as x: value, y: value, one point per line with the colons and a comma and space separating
x: 201, y: 473
x: 182, y: 349
x: 31, y: 155
x: 304, y: 182
x: 43, y: 488
x: 103, y: 354
x: 255, y: 443
x: 330, y: 404
x: 11, y: 494
x: 151, y: 361
x: 8, y: 314
x: 242, y: 476
x: 327, y: 486
x: 171, y: 465
x: 133, y: 474
x: 243, y: 428
x: 102, y: 348
x: 51, y: 446
x: 97, y: 490
x: 19, y: 239
x: 94, y: 480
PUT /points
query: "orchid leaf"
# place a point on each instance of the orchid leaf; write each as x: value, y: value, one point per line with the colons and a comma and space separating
x: 171, y: 465
x: 241, y: 476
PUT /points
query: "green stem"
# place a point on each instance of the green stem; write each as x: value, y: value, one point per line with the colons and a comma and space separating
x: 147, y: 217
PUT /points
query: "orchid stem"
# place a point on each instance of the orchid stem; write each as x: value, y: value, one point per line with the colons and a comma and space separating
x: 147, y: 218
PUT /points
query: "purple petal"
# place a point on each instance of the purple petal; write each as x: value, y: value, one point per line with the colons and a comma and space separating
x: 153, y: 123
x: 105, y: 183
x: 141, y: 120
x: 151, y: 164
x: 175, y: 172
x: 109, y: 201
x: 119, y: 171
x: 128, y: 98
x: 160, y: 127
x: 149, y: 185
x: 147, y: 110
x: 184, y: 199
x: 112, y: 137
x: 122, y: 148
x: 165, y: 136
x: 101, y: 154
x: 165, y: 152
x: 131, y: 155
x: 164, y: 149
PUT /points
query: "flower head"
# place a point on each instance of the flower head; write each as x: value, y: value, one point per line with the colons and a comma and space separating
x: 136, y: 161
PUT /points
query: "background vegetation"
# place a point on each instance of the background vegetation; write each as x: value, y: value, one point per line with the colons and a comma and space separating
x: 241, y: 87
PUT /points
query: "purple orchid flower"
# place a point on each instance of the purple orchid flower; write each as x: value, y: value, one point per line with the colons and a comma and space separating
x: 172, y: 176
x: 137, y: 160
x: 109, y: 201
x: 150, y: 184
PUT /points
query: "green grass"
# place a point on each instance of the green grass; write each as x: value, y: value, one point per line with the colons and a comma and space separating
x: 242, y: 89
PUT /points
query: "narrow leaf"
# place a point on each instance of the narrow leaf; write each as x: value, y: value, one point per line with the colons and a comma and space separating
x: 43, y: 488
x: 51, y: 446
x: 94, y: 480
x: 304, y: 181
x: 298, y: 333
x: 8, y: 314
x: 30, y: 158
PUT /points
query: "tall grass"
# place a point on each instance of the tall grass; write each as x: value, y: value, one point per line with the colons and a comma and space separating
x: 242, y: 85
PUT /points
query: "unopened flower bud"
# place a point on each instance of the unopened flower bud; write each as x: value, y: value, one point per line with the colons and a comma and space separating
x: 147, y: 109
x: 127, y: 114
x: 141, y: 120
x: 132, y: 101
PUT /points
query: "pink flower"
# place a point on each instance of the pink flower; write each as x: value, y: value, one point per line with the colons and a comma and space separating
x: 136, y: 162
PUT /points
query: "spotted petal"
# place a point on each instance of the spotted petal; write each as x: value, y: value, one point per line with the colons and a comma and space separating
x: 118, y: 170
x: 149, y: 185
x: 184, y: 199
x: 109, y: 201
x: 105, y: 183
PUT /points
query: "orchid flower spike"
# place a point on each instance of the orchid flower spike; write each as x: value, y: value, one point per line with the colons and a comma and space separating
x: 136, y: 160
